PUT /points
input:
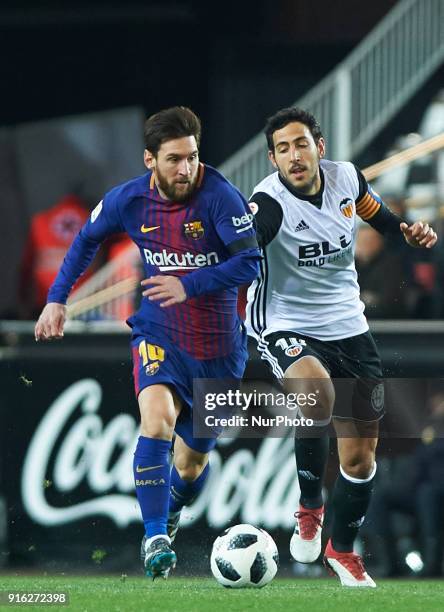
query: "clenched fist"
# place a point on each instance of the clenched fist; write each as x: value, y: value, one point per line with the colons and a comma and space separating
x: 51, y: 322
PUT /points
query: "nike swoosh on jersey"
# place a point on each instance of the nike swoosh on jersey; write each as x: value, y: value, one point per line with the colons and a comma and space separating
x: 145, y: 230
x: 139, y: 469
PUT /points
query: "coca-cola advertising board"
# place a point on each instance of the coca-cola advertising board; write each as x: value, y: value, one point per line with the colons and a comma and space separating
x: 69, y: 425
x: 69, y: 429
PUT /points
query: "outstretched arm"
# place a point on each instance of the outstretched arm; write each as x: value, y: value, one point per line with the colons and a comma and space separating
x: 372, y: 209
x: 103, y: 222
x: 52, y: 319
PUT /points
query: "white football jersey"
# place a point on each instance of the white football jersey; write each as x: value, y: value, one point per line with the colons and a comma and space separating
x: 308, y: 282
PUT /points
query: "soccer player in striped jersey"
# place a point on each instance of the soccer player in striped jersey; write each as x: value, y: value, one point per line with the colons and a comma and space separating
x: 308, y: 321
x: 197, y: 243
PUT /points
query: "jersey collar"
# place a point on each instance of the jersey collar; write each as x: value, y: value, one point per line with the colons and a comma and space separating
x: 315, y: 199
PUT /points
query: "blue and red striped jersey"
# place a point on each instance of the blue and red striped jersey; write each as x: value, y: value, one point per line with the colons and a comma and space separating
x: 208, y: 240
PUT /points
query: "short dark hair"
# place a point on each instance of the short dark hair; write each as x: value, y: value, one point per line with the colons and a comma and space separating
x: 289, y: 115
x: 168, y: 124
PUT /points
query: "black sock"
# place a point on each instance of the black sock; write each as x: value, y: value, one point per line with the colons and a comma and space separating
x: 311, y: 460
x: 349, y: 503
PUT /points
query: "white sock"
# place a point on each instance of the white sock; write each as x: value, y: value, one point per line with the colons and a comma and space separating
x: 358, y: 480
x: 162, y: 536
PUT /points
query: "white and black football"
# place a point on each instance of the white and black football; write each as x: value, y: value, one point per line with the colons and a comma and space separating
x: 244, y: 556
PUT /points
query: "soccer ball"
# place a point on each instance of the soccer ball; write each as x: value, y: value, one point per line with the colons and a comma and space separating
x: 244, y: 556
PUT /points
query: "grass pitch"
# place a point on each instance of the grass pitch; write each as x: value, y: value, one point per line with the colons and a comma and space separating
x: 128, y: 594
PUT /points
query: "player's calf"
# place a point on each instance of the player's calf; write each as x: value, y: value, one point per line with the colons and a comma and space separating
x: 188, y: 477
x: 173, y: 524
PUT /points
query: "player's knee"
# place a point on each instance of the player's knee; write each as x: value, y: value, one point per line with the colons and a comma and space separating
x: 359, y: 465
x: 158, y: 413
x: 189, y: 470
x: 309, y: 378
x: 307, y: 367
x: 157, y: 421
x: 319, y: 406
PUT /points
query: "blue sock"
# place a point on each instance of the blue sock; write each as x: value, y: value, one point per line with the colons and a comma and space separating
x: 152, y: 478
x: 183, y: 493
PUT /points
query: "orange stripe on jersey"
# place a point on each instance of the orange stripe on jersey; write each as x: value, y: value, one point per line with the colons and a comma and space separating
x: 363, y: 208
x: 152, y: 181
x: 367, y: 207
x: 200, y: 175
x: 374, y: 211
x: 370, y: 210
x: 364, y: 201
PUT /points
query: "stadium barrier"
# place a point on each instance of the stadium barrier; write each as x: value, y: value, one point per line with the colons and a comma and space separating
x: 69, y: 429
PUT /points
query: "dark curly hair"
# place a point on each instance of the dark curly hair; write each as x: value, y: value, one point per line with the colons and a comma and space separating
x: 289, y: 115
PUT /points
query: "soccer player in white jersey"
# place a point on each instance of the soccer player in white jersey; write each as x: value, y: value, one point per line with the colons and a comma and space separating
x: 306, y: 316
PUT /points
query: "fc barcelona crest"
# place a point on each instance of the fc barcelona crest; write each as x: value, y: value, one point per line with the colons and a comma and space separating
x: 346, y: 207
x: 194, y: 230
x: 152, y: 368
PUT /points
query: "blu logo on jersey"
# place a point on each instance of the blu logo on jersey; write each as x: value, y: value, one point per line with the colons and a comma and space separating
x: 317, y: 254
x: 318, y: 249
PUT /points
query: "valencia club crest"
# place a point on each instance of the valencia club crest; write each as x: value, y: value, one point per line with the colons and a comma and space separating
x: 346, y: 207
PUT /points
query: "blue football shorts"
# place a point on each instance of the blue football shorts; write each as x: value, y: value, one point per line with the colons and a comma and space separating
x: 157, y: 361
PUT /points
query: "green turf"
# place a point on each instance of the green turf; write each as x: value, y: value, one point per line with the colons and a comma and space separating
x: 112, y: 594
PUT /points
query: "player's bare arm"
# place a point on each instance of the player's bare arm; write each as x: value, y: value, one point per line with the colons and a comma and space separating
x: 51, y: 322
x: 167, y: 288
x: 419, y: 235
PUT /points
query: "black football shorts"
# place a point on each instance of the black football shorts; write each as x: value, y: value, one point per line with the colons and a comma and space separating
x: 355, y: 358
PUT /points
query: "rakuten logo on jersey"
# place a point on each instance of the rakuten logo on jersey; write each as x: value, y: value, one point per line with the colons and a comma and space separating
x: 246, y: 220
x: 180, y: 261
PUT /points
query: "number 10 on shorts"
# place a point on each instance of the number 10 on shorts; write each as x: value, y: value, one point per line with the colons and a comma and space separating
x: 150, y: 352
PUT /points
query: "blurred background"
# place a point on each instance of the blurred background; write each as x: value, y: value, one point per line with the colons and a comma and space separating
x: 78, y: 80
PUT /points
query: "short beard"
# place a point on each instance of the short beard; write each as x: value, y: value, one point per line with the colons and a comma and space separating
x: 172, y: 192
x: 305, y: 189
